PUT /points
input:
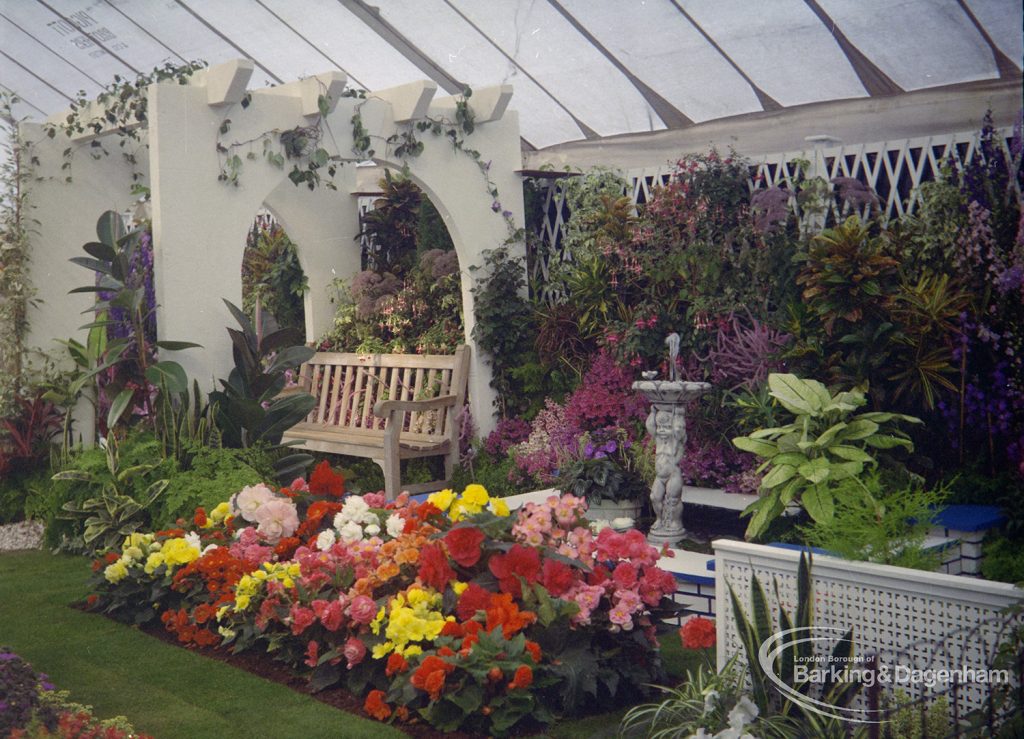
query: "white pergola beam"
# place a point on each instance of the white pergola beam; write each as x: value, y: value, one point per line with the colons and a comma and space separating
x: 409, y: 102
x: 487, y: 103
x: 226, y: 83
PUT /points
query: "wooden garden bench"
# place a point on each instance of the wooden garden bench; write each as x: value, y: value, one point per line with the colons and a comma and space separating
x: 385, y: 407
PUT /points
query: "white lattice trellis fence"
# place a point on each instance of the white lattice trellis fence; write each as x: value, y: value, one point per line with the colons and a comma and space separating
x: 908, y: 618
x: 894, y: 170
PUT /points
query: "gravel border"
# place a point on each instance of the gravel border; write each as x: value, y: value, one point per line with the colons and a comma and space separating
x: 21, y: 535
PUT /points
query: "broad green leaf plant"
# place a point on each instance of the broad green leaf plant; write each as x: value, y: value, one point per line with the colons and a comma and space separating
x: 826, y: 442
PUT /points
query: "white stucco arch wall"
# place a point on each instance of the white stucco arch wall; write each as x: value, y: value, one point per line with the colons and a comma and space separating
x: 199, y: 224
x: 65, y: 215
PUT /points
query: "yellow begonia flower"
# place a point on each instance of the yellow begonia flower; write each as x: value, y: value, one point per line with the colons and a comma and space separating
x: 133, y: 553
x: 442, y: 499
x: 179, y: 552
x: 475, y: 496
x: 226, y: 632
x: 412, y: 650
x: 116, y: 572
x: 382, y: 650
x: 222, y: 511
x: 460, y: 587
x: 153, y: 561
x: 498, y: 507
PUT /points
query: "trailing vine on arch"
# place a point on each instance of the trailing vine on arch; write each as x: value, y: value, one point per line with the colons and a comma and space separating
x: 123, y: 106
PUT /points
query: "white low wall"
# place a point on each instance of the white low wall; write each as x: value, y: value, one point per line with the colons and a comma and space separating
x: 924, y: 620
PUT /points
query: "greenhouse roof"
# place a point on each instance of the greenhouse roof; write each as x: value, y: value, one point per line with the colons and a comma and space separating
x: 581, y: 69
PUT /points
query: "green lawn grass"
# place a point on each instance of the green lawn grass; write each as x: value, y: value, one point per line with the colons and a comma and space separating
x: 171, y: 692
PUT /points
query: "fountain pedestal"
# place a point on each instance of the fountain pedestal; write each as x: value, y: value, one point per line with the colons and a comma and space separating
x: 666, y: 424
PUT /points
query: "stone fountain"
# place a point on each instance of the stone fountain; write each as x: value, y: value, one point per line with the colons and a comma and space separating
x: 666, y: 423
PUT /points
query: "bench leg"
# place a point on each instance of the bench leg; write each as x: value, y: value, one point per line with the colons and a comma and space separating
x: 392, y: 476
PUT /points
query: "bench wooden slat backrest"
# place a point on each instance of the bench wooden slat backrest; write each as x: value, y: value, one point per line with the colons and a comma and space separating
x: 347, y: 386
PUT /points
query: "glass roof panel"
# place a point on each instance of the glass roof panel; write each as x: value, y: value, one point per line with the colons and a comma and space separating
x: 1001, y: 19
x: 47, y: 64
x: 66, y: 40
x: 943, y: 49
x: 787, y: 52
x: 116, y: 33
x: 39, y: 96
x: 660, y: 46
x: 370, y: 62
x: 265, y: 39
x: 185, y: 36
x: 439, y: 32
x: 544, y: 44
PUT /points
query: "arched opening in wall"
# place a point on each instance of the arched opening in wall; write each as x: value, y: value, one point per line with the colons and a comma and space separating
x: 407, y: 298
x: 273, y: 283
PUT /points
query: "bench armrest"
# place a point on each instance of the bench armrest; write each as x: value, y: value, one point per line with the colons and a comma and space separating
x: 384, y: 408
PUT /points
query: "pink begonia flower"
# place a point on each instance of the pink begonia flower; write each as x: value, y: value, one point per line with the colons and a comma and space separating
x: 312, y: 653
x: 625, y: 575
x: 362, y: 609
x: 354, y: 651
x: 628, y: 599
x: 299, y: 485
x: 277, y: 518
x: 332, y: 616
x: 248, y: 501
x: 302, y: 618
x: 620, y: 616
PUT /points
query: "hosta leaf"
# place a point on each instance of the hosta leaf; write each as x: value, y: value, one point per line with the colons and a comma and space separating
x: 844, y: 470
x: 791, y: 458
x: 769, y: 433
x: 764, y: 510
x: 879, y: 417
x: 795, y: 394
x: 886, y: 441
x: 777, y: 476
x: 828, y: 435
x: 758, y: 447
x: 815, y: 471
x: 818, y: 503
x: 859, y: 428
x: 790, y: 443
x: 852, y: 453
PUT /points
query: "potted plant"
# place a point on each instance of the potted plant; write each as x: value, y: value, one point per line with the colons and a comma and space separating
x: 602, y: 474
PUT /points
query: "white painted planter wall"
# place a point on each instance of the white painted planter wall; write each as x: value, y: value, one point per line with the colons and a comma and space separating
x: 921, y: 619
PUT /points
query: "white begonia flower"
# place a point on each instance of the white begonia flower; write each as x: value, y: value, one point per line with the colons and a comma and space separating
x: 339, y: 521
x: 193, y: 541
x: 325, y: 540
x: 395, y: 525
x: 372, y: 529
x: 742, y: 713
x: 355, y: 509
x: 350, y: 532
x: 209, y: 548
x: 599, y: 524
x: 622, y: 522
x: 251, y: 497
